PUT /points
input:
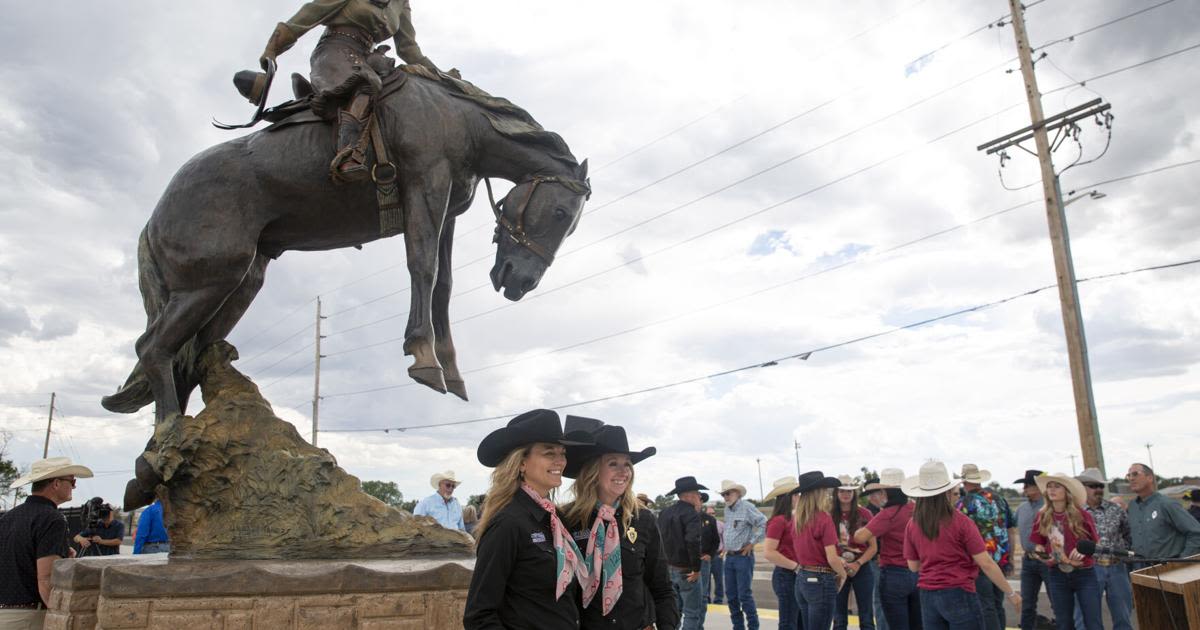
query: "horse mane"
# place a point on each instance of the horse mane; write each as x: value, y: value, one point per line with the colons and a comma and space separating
x: 508, y: 119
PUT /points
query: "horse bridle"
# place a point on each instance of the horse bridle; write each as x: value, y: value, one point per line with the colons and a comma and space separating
x: 516, y: 230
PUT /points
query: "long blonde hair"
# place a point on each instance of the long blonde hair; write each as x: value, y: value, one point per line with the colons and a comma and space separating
x: 808, y: 505
x: 506, y: 481
x: 587, y: 493
x: 1045, y: 519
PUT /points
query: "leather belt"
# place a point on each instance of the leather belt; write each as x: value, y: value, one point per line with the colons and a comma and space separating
x: 1106, y: 562
x: 816, y: 568
x: 354, y: 34
x: 31, y: 606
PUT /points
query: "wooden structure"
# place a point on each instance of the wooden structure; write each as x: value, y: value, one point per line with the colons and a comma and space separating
x: 1167, y: 596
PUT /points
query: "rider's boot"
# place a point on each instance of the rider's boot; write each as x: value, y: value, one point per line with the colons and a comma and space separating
x: 350, y: 162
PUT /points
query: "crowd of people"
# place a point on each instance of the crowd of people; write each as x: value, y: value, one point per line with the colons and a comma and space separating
x: 933, y: 550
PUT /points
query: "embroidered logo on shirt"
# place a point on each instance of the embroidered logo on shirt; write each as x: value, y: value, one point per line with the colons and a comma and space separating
x: 1154, y: 515
x: 537, y: 537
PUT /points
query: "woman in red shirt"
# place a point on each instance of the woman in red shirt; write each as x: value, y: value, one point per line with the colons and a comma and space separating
x: 820, y: 571
x: 1059, y: 525
x: 945, y: 548
x: 898, y: 594
x: 779, y: 552
x: 849, y: 517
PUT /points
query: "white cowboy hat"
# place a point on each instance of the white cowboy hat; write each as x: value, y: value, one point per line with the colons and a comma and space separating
x: 972, y: 474
x: 847, y: 483
x: 1091, y: 475
x: 888, y: 478
x: 781, y: 486
x: 51, y: 468
x: 933, y: 480
x: 437, y: 478
x: 1074, y: 487
x: 727, y: 485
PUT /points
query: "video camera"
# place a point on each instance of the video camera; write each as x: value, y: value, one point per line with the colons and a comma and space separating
x: 95, y: 512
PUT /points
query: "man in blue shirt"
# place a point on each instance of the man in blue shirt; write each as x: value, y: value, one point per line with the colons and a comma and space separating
x: 151, y: 534
x: 745, y: 525
x: 442, y: 505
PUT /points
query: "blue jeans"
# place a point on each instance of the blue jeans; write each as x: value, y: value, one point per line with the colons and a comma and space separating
x: 1065, y: 588
x: 991, y: 602
x: 705, y: 580
x: 1033, y: 575
x: 718, y: 579
x: 901, y: 601
x: 863, y: 584
x: 880, y: 619
x: 156, y: 547
x: 1118, y: 592
x: 950, y: 609
x: 689, y: 598
x: 739, y: 573
x: 817, y: 595
x: 783, y: 582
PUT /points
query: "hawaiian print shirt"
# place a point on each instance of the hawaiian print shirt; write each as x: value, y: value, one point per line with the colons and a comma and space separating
x: 1112, y: 523
x: 992, y: 516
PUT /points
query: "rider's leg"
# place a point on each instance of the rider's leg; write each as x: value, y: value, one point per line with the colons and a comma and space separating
x: 350, y: 162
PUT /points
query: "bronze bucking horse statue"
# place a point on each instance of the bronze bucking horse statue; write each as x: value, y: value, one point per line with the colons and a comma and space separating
x: 233, y: 208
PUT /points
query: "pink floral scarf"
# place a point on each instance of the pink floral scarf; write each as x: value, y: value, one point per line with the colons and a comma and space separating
x: 570, y: 561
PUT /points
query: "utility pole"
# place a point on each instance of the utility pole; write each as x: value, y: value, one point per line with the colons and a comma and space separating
x: 1068, y: 294
x: 797, y: 445
x: 316, y: 401
x: 1150, y: 455
x: 760, y: 486
x: 49, y: 421
x: 1073, y: 473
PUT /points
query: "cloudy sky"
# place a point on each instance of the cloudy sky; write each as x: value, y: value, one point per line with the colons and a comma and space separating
x: 799, y: 175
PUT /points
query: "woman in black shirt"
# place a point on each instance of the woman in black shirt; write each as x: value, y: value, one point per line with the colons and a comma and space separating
x: 629, y: 586
x: 526, y: 563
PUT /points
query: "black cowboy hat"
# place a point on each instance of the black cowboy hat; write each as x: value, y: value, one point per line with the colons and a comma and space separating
x: 704, y: 497
x: 1029, y: 478
x: 609, y: 438
x: 815, y: 480
x: 539, y: 425
x: 686, y: 484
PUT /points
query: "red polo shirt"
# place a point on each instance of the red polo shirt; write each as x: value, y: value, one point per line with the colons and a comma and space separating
x: 946, y: 561
x: 780, y: 528
x: 810, y: 543
x: 889, y: 527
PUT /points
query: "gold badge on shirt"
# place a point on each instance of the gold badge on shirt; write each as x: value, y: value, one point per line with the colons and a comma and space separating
x: 631, y: 534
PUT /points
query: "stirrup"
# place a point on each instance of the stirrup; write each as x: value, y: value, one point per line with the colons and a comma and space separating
x: 348, y: 166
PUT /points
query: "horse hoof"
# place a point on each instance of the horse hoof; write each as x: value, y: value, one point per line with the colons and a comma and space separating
x: 457, y: 387
x: 430, y: 377
x: 136, y: 497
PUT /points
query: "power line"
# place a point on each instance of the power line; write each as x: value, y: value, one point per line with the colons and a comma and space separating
x: 804, y: 355
x: 278, y: 321
x: 280, y: 343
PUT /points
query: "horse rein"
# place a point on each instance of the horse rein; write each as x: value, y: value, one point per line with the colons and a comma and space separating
x: 516, y: 231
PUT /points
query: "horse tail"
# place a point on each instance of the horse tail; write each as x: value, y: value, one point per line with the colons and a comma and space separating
x: 136, y: 393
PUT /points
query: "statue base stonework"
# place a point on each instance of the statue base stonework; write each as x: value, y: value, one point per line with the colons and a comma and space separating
x: 134, y: 592
x: 238, y: 482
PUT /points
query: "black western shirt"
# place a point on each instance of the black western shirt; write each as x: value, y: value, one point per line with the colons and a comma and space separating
x: 710, y: 536
x: 647, y: 598
x: 35, y: 529
x: 515, y: 574
x: 115, y: 530
x: 680, y: 527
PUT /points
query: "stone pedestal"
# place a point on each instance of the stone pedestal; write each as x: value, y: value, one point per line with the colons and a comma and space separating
x: 153, y: 592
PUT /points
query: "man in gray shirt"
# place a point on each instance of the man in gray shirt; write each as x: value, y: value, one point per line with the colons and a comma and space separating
x: 1034, y: 572
x: 1160, y: 527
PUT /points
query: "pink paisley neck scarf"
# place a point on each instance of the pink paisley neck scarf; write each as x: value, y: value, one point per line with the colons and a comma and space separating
x: 604, y: 561
x: 570, y: 561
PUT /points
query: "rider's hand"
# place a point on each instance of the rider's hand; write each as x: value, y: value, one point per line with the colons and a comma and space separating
x: 693, y: 576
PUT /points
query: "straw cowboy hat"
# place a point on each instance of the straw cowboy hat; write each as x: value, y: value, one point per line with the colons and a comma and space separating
x: 52, y: 468
x: 1091, y: 475
x: 888, y: 478
x: 781, y: 486
x: 933, y: 480
x: 438, y: 478
x: 531, y: 427
x: 1073, y: 486
x: 972, y: 474
x: 846, y: 482
x: 728, y: 486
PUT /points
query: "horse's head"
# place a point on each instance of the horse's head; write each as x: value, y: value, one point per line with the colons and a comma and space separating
x: 532, y: 221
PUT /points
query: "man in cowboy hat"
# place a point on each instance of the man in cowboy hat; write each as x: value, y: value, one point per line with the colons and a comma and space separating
x: 745, y: 525
x: 442, y: 505
x: 992, y: 516
x: 1034, y: 573
x: 32, y: 536
x: 680, y: 527
x: 1159, y: 527
x: 1112, y: 524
